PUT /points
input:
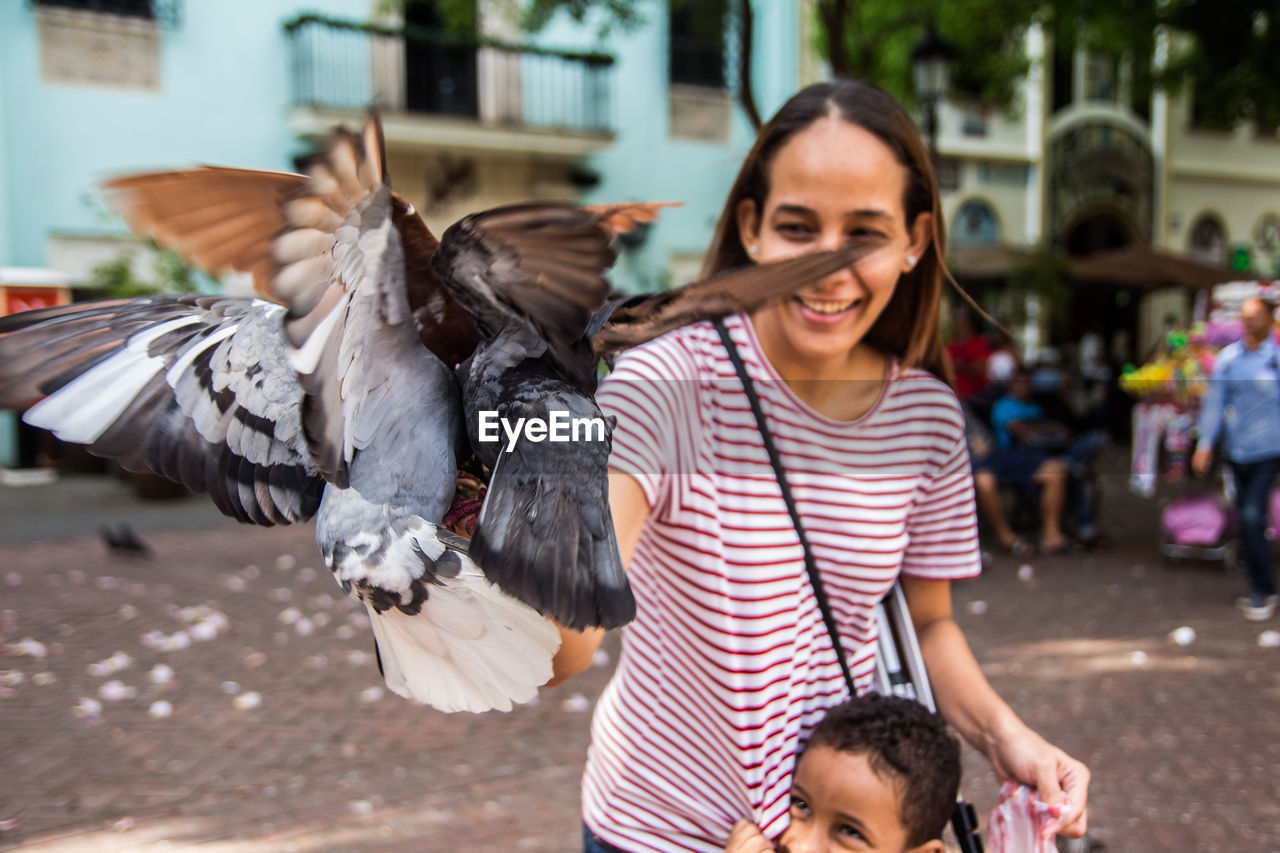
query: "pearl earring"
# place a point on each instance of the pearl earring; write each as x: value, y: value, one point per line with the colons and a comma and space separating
x: 752, y: 249
x: 911, y: 262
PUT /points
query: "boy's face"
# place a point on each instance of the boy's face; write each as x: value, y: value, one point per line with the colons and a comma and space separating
x: 839, y: 803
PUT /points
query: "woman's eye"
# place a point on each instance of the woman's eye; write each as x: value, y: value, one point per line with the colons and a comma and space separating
x: 792, y: 229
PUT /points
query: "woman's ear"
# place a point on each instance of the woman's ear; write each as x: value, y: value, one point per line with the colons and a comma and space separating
x: 921, y: 237
x: 748, y: 226
x: 934, y: 846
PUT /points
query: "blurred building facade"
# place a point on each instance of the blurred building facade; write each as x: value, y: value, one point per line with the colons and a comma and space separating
x: 90, y: 89
x: 1082, y: 165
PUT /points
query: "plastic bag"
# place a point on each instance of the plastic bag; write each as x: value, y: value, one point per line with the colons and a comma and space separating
x: 1020, y: 823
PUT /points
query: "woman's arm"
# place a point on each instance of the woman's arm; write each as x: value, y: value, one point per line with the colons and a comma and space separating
x: 968, y: 702
x: 630, y: 509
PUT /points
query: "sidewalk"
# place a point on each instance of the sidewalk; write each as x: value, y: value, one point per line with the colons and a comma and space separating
x: 279, y: 736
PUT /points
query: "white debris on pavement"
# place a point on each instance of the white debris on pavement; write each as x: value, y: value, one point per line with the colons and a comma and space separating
x: 1025, y: 572
x: 977, y: 608
x: 87, y: 708
x: 1138, y: 658
x: 110, y: 666
x: 116, y: 691
x: 1269, y: 639
x: 1184, y: 636
x: 161, y: 674
x: 247, y: 701
x: 127, y: 612
x: 577, y: 703
x: 370, y: 695
x: 28, y: 647
x: 160, y: 709
x: 600, y: 658
x: 286, y: 562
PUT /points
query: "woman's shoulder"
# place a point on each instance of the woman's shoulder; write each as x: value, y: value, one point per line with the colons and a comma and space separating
x: 920, y: 390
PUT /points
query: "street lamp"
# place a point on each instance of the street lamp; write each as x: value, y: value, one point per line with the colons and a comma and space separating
x: 931, y: 73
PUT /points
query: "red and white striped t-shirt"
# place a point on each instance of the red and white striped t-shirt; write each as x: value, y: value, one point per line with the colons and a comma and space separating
x: 728, y: 665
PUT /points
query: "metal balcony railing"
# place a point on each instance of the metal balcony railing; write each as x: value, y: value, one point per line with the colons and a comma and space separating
x: 346, y: 66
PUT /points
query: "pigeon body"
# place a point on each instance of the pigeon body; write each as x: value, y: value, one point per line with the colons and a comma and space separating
x: 354, y: 391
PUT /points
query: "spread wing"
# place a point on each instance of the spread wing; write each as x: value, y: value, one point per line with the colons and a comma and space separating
x: 216, y: 218
x: 193, y: 388
x: 540, y: 265
x: 743, y: 290
x: 356, y: 349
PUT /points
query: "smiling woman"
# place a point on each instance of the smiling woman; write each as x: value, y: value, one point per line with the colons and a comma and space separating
x: 730, y: 663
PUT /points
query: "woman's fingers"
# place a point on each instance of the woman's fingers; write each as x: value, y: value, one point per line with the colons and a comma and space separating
x: 1074, y: 779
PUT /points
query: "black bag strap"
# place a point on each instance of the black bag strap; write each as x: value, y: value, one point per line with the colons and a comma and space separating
x: 964, y: 820
x: 810, y: 564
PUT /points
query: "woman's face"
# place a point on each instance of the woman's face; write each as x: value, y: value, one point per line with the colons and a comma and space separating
x: 832, y: 181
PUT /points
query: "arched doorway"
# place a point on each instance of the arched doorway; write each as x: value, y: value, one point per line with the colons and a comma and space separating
x: 1110, y: 312
x: 1098, y: 231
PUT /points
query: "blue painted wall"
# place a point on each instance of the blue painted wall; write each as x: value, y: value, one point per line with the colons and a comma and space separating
x: 221, y: 99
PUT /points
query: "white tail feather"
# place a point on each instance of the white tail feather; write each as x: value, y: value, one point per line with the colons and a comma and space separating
x: 472, y: 648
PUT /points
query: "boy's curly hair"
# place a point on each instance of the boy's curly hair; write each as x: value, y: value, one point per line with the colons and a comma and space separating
x: 907, y: 743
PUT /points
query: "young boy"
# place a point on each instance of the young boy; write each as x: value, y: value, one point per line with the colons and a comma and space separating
x: 879, y: 773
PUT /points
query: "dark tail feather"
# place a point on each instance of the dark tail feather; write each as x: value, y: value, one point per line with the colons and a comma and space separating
x: 525, y: 543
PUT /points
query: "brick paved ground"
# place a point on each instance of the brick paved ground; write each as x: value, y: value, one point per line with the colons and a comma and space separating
x: 1181, y: 739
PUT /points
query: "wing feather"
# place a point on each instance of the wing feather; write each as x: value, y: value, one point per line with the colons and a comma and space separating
x: 194, y: 388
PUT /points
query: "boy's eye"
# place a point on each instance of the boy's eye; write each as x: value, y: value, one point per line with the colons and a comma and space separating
x: 799, y: 806
x: 851, y: 833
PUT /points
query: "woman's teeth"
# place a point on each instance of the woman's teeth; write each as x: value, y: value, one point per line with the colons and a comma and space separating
x: 826, y: 307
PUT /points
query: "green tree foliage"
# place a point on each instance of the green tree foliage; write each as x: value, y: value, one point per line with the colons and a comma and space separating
x: 1229, y: 49
x: 114, y: 279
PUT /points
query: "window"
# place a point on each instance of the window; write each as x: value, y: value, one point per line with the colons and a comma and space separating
x: 1101, y: 77
x: 974, y: 224
x: 1208, y: 241
x: 130, y: 8
x: 696, y: 36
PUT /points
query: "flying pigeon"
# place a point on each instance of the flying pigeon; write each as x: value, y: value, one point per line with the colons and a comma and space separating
x: 355, y: 396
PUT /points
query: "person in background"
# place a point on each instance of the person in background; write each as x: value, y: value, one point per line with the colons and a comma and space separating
x: 969, y: 352
x: 1031, y: 473
x: 880, y: 773
x: 1002, y: 363
x: 1242, y: 408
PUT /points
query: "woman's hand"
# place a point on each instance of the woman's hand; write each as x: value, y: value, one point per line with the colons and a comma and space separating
x: 747, y: 838
x: 968, y: 703
x: 1028, y: 758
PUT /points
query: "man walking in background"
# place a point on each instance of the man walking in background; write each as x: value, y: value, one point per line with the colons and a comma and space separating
x: 1242, y: 405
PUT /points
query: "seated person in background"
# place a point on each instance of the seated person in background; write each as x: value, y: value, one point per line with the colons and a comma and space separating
x: 879, y: 773
x: 1002, y: 363
x: 968, y: 352
x: 1027, y: 471
x: 1059, y: 432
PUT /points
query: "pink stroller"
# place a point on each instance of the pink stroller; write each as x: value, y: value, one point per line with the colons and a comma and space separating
x: 1200, y: 525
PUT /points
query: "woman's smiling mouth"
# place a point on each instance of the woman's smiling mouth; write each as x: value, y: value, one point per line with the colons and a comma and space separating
x: 827, y: 307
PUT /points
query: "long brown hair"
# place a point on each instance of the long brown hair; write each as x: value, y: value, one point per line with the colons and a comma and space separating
x: 910, y: 327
